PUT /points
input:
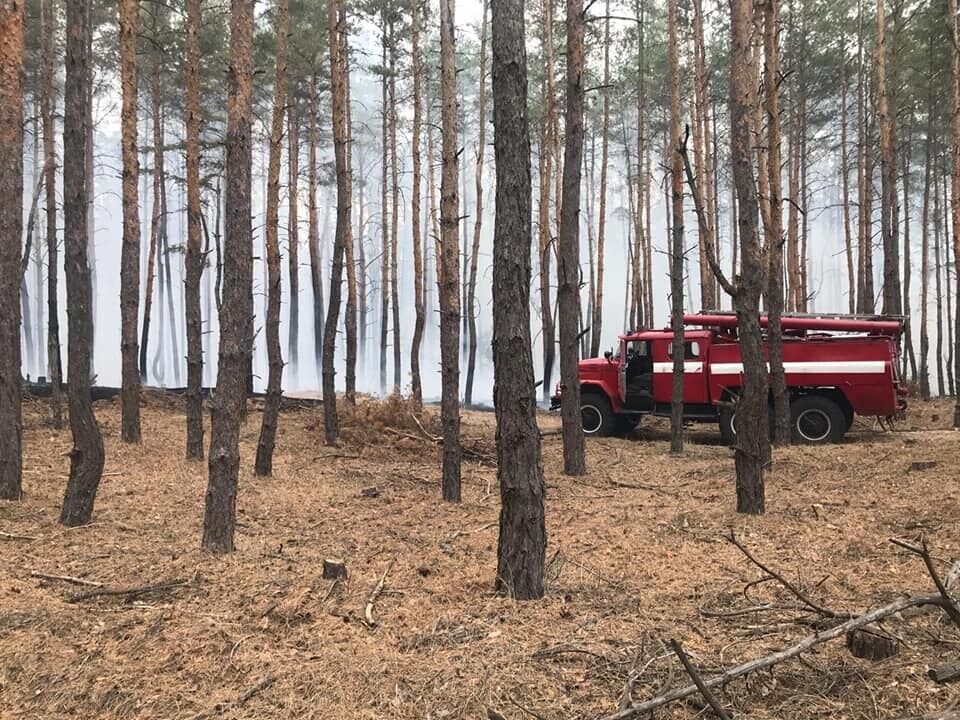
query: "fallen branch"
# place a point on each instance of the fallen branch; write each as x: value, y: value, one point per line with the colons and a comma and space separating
x: 67, y: 579
x: 781, y: 656
x: 799, y: 594
x: 949, y: 604
x: 129, y: 593
x: 698, y: 681
x: 368, y: 609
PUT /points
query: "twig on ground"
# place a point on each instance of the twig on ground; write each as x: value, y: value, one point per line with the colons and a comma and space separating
x: 14, y: 536
x: 800, y: 595
x: 698, y: 681
x: 781, y: 656
x: 527, y: 710
x: 377, y: 590
x: 949, y: 604
x: 129, y: 593
x: 66, y: 578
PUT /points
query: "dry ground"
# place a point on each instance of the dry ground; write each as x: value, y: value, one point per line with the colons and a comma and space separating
x: 637, y: 552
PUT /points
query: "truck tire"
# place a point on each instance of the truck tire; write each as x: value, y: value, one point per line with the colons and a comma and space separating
x: 728, y: 429
x: 597, y: 416
x: 817, y: 420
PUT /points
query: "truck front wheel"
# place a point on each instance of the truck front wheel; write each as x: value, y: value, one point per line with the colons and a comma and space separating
x: 817, y: 420
x: 597, y: 416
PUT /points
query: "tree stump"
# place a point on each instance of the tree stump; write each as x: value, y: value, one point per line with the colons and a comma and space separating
x: 872, y: 645
x: 334, y: 570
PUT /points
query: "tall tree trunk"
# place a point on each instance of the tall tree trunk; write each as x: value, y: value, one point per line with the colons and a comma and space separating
x: 350, y: 265
x: 384, y: 207
x: 955, y: 173
x: 925, y: 245
x: 939, y: 267
x: 774, y: 228
x: 676, y: 237
x: 155, y: 220
x: 167, y: 263
x: 701, y: 147
x: 12, y: 21
x: 362, y: 266
x: 909, y: 356
x: 568, y: 266
x: 271, y: 406
x: 845, y: 184
x: 129, y: 19
x: 521, y: 549
x: 545, y: 242
x: 394, y: 212
x: 471, y: 309
x: 449, y: 292
x: 418, y: 287
x: 86, y: 457
x: 236, y: 314
x: 597, y: 321
x: 194, y: 259
x: 47, y: 102
x: 886, y: 117
x: 293, y: 235
x: 752, y: 449
x: 313, y: 232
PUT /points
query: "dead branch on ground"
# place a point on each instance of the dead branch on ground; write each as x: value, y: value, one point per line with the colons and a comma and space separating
x: 66, y: 579
x: 698, y: 681
x: 129, y: 593
x: 377, y: 591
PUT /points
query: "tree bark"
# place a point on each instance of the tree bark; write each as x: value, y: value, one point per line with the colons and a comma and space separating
x: 129, y: 25
x: 384, y: 205
x: 925, y: 245
x: 12, y: 21
x: 521, y: 549
x: 676, y: 235
x: 293, y: 235
x: 338, y: 96
x: 596, y: 326
x: 394, y: 210
x: 774, y: 229
x: 752, y: 452
x: 568, y: 267
x: 449, y: 292
x: 350, y: 266
x: 236, y: 314
x: 271, y: 406
x: 941, y: 375
x: 313, y: 232
x: 886, y: 118
x: 47, y: 102
x: 547, y: 325
x: 845, y: 184
x: 955, y: 173
x: 416, y: 389
x: 155, y: 220
x: 701, y: 143
x: 471, y: 309
x: 86, y: 457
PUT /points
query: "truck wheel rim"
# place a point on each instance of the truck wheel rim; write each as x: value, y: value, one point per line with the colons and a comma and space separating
x: 814, y: 425
x: 591, y: 417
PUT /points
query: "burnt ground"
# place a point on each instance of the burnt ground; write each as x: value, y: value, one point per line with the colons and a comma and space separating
x: 637, y: 556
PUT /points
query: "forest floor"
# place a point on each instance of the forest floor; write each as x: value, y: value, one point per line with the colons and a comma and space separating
x: 637, y: 555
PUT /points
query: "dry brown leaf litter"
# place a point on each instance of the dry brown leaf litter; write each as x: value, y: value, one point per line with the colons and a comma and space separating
x: 637, y: 556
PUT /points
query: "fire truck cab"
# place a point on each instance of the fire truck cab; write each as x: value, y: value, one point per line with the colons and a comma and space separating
x: 836, y: 367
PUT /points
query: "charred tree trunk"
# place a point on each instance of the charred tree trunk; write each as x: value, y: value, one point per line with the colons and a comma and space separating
x: 48, y: 23
x: 271, y: 406
x: 471, y: 309
x: 129, y: 19
x: 521, y: 550
x: 568, y: 266
x: 450, y: 293
x: 12, y: 22
x: 236, y: 314
x: 338, y: 90
x: 774, y: 229
x: 86, y: 457
x: 752, y: 451
x: 676, y: 237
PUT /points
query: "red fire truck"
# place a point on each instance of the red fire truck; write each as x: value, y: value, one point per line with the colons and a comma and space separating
x: 836, y: 367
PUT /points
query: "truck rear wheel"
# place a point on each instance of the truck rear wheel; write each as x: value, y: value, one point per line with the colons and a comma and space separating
x: 728, y: 428
x: 816, y: 420
x: 596, y: 415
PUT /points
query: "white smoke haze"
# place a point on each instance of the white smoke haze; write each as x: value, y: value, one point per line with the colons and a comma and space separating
x: 826, y: 262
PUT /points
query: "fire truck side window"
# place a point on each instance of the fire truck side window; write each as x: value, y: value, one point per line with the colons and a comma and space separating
x: 691, y: 350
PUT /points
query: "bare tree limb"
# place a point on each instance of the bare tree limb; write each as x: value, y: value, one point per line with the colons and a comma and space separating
x: 698, y: 681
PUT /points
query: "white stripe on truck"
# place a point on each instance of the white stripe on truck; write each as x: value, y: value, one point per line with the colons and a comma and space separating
x: 688, y: 367
x: 849, y: 367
